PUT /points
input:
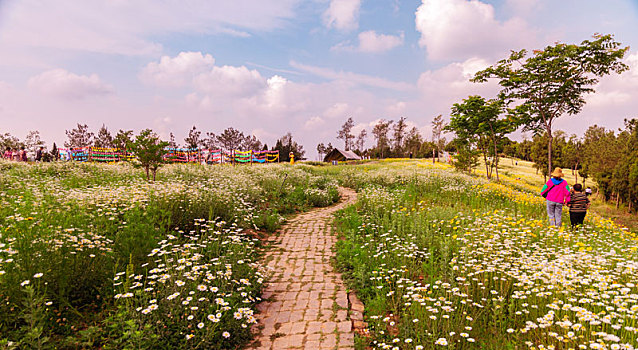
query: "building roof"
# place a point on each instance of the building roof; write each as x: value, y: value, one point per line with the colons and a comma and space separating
x: 348, y: 155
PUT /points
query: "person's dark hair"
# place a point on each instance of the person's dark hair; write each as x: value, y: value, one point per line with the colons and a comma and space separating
x: 578, y: 187
x: 22, y: 148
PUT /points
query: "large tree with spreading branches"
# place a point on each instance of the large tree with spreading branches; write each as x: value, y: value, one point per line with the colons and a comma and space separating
x: 554, y: 81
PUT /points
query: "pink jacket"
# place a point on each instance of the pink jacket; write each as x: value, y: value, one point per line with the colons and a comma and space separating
x: 559, y: 194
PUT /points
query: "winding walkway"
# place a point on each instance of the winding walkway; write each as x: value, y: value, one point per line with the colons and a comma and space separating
x: 306, y: 303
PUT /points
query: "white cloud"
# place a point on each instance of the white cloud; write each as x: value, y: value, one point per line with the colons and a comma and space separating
x: 61, y: 83
x: 396, y: 109
x: 198, y: 71
x: 458, y: 29
x: 613, y: 100
x: 275, y: 93
x: 313, y: 123
x: 353, y: 78
x: 229, y: 81
x: 177, y: 71
x: 337, y: 110
x: 342, y: 14
x: 370, y: 41
x: 450, y: 84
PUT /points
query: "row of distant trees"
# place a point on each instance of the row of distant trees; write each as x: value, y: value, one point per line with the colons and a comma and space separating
x: 392, y: 139
x: 609, y: 157
x: 229, y: 139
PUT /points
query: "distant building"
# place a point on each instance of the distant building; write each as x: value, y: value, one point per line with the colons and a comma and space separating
x: 340, y: 155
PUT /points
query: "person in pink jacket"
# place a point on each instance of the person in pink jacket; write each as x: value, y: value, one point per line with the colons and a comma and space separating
x: 556, y: 191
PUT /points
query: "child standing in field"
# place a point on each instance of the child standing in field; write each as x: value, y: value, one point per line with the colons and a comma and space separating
x: 556, y: 191
x: 578, y: 205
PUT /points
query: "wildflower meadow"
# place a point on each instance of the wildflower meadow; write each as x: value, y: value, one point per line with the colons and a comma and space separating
x: 94, y: 256
x: 444, y: 260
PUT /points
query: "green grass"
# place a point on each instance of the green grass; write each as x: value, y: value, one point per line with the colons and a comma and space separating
x: 93, y: 256
x: 443, y: 258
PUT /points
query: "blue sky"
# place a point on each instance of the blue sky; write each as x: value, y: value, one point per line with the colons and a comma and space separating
x: 269, y: 67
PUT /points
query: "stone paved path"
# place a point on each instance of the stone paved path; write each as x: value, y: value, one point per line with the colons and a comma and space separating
x: 307, y: 303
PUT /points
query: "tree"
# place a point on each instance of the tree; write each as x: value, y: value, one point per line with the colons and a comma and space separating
x: 329, y: 147
x: 345, y: 133
x: 230, y: 139
x: 554, y: 80
x: 79, y: 137
x: 538, y: 155
x: 171, y: 141
x: 103, y: 138
x: 476, y: 119
x: 33, y: 141
x: 413, y: 142
x: 601, y: 153
x: 361, y: 140
x: 437, y: 128
x: 8, y: 140
x: 380, y: 132
x: 251, y: 143
x: 285, y: 145
x: 625, y: 180
x: 321, y: 150
x: 399, y: 135
x: 467, y: 157
x: 192, y: 140
x: 524, y: 149
x: 122, y: 139
x: 149, y: 151
x: 54, y: 155
x: 210, y: 141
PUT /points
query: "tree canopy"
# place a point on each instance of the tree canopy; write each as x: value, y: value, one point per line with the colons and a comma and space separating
x: 554, y: 81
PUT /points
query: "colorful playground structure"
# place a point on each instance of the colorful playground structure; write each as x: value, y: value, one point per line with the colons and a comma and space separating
x: 172, y: 155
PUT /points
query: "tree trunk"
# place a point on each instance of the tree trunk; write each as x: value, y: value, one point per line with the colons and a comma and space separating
x: 433, y: 156
x: 487, y: 167
x: 575, y: 172
x: 496, y: 159
x: 549, y: 149
x: 147, y: 174
x: 617, y: 200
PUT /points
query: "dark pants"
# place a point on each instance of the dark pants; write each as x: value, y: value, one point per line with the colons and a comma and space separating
x: 577, y: 218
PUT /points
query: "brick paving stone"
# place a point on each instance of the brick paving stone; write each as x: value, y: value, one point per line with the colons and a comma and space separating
x: 329, y: 341
x: 346, y: 339
x: 328, y: 327
x: 344, y: 327
x: 303, y: 288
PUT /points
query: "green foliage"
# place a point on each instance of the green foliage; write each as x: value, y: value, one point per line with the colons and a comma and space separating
x: 285, y: 145
x: 448, y: 259
x: 74, y: 225
x: 149, y: 151
x: 478, y: 123
x: 467, y: 158
x: 554, y: 81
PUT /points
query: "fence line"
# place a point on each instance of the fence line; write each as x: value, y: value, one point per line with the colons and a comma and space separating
x: 172, y: 155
